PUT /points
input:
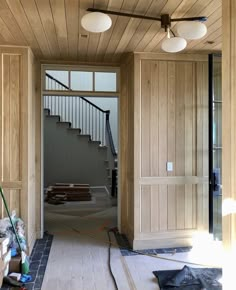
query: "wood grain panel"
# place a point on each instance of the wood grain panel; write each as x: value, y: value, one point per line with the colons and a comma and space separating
x: 202, y: 143
x: 171, y: 115
x: 59, y: 17
x: 180, y: 142
x: 105, y: 37
x: 180, y: 180
x: 14, y: 201
x: 189, y: 153
x: 32, y: 14
x: 19, y: 14
x: 155, y: 205
x: 11, y: 23
x: 154, y: 118
x: 72, y: 20
x: 171, y: 102
x: 171, y: 201
x: 119, y: 29
x: 228, y: 137
x: 171, y: 194
x: 15, y: 120
x: 145, y: 213
x: 84, y: 35
x: 162, y: 113
x: 132, y: 26
x: 6, y: 117
x: 145, y: 117
x: 46, y: 16
x: 95, y: 39
x: 10, y: 127
x: 144, y: 25
x: 163, y: 209
x: 18, y: 136
x: 126, y: 157
x: 6, y: 34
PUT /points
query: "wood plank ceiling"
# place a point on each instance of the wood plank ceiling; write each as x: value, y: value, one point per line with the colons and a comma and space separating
x: 52, y: 27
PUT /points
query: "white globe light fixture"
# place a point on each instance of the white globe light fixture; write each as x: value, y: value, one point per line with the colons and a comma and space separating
x: 96, y: 22
x: 188, y: 28
x: 173, y: 44
x: 191, y: 29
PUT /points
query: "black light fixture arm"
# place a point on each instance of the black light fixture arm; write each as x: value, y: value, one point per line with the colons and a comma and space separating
x: 123, y: 14
x: 164, y: 19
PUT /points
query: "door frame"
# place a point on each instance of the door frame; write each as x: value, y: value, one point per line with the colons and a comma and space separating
x: 116, y: 94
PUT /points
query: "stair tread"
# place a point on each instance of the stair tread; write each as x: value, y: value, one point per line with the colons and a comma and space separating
x: 95, y: 141
x: 63, y: 122
x: 52, y: 116
x: 74, y: 130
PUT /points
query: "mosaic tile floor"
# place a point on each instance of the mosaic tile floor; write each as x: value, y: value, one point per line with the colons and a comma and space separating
x: 38, y: 263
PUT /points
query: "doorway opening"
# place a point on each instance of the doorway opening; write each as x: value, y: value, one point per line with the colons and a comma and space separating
x: 80, y: 142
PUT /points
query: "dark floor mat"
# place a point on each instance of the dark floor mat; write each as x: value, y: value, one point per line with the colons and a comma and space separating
x: 189, y: 279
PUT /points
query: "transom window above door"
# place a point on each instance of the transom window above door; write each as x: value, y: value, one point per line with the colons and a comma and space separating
x: 85, y: 80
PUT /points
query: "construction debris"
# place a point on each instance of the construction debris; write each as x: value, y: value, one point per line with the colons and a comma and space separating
x: 62, y: 192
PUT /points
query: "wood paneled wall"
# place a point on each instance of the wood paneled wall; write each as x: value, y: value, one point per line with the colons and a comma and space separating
x: 170, y: 115
x: 229, y: 140
x: 126, y: 146
x: 17, y: 133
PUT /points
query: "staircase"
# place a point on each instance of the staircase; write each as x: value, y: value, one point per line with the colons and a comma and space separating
x: 78, y: 144
x: 72, y: 157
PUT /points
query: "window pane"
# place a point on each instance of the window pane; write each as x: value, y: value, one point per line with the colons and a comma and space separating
x: 81, y: 81
x: 105, y: 82
x: 60, y: 78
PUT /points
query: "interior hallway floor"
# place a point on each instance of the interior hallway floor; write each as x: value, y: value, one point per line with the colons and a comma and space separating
x: 78, y: 258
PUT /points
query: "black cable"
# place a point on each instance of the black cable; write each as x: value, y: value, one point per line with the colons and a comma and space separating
x: 109, y: 259
x: 149, y: 255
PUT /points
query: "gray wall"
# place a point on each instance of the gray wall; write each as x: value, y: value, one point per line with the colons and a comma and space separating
x: 69, y: 157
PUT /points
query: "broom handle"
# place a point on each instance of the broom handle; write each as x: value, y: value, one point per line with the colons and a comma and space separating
x: 5, y: 204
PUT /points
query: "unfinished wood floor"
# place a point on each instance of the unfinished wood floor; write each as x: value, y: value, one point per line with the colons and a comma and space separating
x: 79, y: 255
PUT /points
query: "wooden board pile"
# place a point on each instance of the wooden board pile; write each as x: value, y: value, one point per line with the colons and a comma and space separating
x: 68, y: 192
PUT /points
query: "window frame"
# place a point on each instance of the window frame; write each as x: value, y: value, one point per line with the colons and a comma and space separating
x: 80, y: 68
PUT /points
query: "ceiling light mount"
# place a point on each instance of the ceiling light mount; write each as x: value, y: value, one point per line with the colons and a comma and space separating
x: 165, y: 21
x: 190, y: 28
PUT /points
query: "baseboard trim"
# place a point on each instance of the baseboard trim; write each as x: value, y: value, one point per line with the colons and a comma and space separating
x: 31, y: 242
x: 161, y: 243
x: 101, y: 187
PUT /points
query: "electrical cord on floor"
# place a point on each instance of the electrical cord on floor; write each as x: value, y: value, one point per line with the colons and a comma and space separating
x: 157, y: 256
x: 109, y: 259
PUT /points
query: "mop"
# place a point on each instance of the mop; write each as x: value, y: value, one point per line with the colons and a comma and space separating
x: 24, y: 258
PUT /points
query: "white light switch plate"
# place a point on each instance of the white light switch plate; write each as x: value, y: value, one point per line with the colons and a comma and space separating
x: 169, y: 166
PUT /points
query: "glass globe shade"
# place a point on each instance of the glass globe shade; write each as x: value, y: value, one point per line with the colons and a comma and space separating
x: 173, y: 44
x: 191, y: 29
x: 96, y: 22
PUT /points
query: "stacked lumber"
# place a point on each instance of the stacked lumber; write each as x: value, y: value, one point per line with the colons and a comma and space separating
x: 69, y: 192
